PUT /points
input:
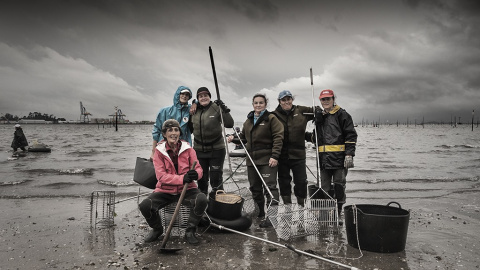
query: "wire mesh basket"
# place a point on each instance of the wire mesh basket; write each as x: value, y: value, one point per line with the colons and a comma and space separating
x: 180, y: 224
x: 292, y: 220
x: 102, y: 209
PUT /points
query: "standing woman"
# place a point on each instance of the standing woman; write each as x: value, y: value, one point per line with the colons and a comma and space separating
x: 209, y: 144
x: 294, y: 119
x: 264, y: 135
x: 337, y: 140
x: 19, y: 139
x: 180, y: 111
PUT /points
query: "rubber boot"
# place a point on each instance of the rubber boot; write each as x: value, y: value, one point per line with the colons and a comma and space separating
x: 272, y: 211
x: 153, y: 235
x: 261, y: 207
x: 340, y: 208
x: 301, y: 201
x: 331, y: 192
x: 191, y: 229
x: 190, y: 236
x: 287, y: 199
x: 266, y: 223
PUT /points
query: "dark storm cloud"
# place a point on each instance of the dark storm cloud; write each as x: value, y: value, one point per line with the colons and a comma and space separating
x: 395, y: 56
x: 257, y: 10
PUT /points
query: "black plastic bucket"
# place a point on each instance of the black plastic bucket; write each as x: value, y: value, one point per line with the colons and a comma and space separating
x: 380, y: 228
x: 226, y: 211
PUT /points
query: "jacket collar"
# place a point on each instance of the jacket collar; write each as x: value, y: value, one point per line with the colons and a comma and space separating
x: 163, y: 149
x: 335, y: 109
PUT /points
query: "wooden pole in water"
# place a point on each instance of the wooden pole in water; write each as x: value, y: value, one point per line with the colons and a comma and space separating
x: 116, y: 119
x: 473, y: 117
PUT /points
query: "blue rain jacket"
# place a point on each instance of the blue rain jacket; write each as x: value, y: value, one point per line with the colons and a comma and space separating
x: 177, y: 111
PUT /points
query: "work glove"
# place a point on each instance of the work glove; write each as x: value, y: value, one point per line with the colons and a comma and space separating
x: 318, y: 117
x: 310, y: 136
x: 192, y: 174
x: 348, y: 163
x: 222, y: 105
x: 187, y: 179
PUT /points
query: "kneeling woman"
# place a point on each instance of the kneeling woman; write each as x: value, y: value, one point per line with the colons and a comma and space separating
x: 172, y: 160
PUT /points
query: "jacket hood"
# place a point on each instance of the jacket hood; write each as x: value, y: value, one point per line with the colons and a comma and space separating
x: 176, y: 97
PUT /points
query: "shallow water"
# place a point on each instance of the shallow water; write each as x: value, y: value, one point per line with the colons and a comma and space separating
x: 390, y: 162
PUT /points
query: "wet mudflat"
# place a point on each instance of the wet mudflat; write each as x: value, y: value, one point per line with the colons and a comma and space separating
x: 46, y: 233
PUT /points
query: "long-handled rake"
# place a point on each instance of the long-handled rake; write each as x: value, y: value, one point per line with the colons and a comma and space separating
x: 299, y: 252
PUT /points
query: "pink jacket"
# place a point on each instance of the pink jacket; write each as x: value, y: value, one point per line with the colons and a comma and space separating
x: 169, y: 180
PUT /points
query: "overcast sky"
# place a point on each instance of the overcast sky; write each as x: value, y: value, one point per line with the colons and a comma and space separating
x: 385, y: 60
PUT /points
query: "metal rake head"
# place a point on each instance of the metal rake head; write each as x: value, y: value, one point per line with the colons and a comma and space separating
x: 293, y: 220
x: 102, y: 209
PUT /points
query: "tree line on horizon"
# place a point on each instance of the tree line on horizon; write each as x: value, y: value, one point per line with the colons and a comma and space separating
x: 34, y: 115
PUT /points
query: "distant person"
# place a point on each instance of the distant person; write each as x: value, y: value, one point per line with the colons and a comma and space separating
x: 337, y: 140
x: 237, y: 145
x: 180, y: 111
x: 264, y: 135
x: 293, y: 157
x: 209, y: 144
x: 172, y: 160
x: 19, y: 139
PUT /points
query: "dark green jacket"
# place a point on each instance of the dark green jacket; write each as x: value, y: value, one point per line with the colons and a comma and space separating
x: 206, y: 127
x: 294, y: 123
x: 264, y: 139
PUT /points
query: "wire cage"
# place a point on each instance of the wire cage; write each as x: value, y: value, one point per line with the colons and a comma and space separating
x: 293, y: 220
x: 102, y: 209
x: 180, y: 223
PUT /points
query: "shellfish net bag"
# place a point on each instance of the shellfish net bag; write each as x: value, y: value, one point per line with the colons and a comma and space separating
x: 317, y: 216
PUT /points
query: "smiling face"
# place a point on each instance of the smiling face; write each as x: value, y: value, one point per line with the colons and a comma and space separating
x: 259, y: 104
x: 203, y: 99
x: 327, y: 103
x: 286, y: 103
x: 172, y: 135
x: 184, y: 97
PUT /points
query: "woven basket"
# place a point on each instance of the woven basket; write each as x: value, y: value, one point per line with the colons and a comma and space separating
x: 229, y: 198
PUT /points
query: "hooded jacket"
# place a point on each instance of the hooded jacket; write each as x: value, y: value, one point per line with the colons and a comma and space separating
x: 179, y: 112
x: 207, y: 129
x: 170, y: 180
x: 336, y: 137
x: 264, y: 139
x: 294, y: 124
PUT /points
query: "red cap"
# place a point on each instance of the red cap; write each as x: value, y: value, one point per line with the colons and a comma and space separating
x: 326, y: 93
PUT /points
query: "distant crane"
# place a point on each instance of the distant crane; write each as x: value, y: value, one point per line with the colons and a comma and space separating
x: 84, y: 114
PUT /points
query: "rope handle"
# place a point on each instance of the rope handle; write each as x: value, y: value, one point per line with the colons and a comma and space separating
x: 388, y: 204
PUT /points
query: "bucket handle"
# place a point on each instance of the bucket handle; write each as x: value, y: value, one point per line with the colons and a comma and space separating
x: 388, y: 204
